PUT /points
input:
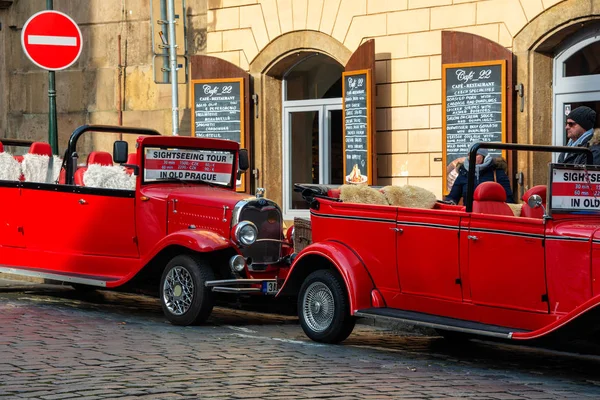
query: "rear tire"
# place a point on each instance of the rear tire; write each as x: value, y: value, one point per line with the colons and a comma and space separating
x: 324, y: 309
x: 184, y: 297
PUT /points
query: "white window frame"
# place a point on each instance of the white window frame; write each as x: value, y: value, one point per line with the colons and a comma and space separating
x: 322, y: 107
x: 573, y: 89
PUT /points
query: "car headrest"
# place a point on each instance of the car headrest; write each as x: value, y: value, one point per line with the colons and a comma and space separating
x: 539, y: 190
x: 132, y: 158
x: 490, y: 191
x: 99, y: 157
x: 1, y: 147
x: 40, y: 148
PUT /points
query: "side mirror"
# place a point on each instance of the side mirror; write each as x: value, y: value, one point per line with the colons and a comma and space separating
x: 243, y: 163
x: 120, y: 151
x: 534, y: 201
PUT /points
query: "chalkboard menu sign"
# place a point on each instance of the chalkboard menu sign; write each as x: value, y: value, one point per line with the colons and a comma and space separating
x: 357, y: 124
x: 218, y: 109
x: 474, y: 109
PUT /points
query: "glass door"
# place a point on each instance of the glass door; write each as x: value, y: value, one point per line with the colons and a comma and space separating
x: 564, y: 104
x: 312, y: 149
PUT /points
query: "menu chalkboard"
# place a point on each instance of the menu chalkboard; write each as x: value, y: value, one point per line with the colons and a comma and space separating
x: 357, y: 135
x: 474, y: 108
x: 218, y: 111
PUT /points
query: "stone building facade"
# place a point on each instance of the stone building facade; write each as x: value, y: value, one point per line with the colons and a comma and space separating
x: 295, y: 52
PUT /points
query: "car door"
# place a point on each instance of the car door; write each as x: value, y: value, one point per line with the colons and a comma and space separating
x: 506, y: 262
x: 427, y: 247
x: 79, y: 229
x: 11, y: 226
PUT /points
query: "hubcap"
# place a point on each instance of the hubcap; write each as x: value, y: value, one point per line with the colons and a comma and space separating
x: 318, y: 307
x: 178, y: 290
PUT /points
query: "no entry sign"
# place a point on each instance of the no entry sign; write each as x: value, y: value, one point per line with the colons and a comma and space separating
x: 51, y: 40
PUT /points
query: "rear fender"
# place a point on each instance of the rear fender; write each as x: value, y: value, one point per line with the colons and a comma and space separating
x: 336, y: 256
x: 196, y: 240
x: 581, y: 322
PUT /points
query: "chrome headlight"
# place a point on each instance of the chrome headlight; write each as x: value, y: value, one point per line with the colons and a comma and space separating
x: 246, y: 233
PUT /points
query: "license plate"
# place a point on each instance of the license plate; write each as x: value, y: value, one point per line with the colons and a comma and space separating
x: 269, y: 287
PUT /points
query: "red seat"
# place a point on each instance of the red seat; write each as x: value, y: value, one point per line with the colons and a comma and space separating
x: 95, y: 157
x: 529, y: 212
x: 490, y: 198
x: 40, y: 148
x: 1, y: 147
x: 132, y: 159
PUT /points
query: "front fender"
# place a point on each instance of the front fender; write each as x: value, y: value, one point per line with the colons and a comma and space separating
x: 197, y: 240
x: 581, y: 322
x: 344, y: 260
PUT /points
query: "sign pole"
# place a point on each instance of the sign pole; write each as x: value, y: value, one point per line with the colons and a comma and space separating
x: 173, y: 65
x: 52, y: 119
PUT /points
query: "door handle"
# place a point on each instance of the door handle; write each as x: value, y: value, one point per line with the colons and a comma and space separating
x: 82, y: 202
x: 472, y: 237
x: 174, y: 206
x: 399, y: 230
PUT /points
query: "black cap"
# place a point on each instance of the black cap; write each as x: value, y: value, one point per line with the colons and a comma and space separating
x: 584, y: 116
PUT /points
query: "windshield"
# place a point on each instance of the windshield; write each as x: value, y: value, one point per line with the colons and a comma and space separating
x: 184, y: 164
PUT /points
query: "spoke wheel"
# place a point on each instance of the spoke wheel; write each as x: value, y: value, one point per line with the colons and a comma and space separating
x: 178, y: 290
x: 184, y: 297
x: 319, y: 306
x: 323, y: 307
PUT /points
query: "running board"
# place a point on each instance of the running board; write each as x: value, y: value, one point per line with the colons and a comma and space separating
x: 437, y: 322
x: 57, y: 276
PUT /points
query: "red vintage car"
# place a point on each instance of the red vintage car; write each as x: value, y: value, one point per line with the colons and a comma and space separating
x: 166, y: 216
x: 480, y: 269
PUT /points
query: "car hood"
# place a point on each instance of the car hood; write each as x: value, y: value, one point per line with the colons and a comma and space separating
x: 207, y: 196
x: 577, y: 229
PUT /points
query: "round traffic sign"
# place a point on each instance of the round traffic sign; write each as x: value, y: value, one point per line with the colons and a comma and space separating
x: 51, y: 40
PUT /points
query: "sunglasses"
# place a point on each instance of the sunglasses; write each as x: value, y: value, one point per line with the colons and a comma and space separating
x: 571, y: 124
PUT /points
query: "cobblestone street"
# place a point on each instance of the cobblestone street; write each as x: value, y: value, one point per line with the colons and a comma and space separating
x: 59, y: 344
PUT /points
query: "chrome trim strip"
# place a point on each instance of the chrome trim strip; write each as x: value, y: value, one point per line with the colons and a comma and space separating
x: 508, y: 233
x: 236, y: 290
x: 237, y: 282
x: 56, y: 277
x: 569, y: 238
x: 437, y: 326
x: 352, y: 218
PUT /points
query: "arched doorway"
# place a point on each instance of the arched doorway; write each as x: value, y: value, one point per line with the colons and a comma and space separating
x: 576, y: 79
x: 311, y: 127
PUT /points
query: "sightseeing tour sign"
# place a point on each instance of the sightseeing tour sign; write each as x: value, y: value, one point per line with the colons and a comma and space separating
x: 51, y: 40
x: 212, y: 166
x: 575, y: 189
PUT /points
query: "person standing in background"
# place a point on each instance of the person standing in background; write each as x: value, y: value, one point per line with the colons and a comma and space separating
x: 580, y: 128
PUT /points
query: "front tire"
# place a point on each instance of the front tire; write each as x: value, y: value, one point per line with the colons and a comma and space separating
x: 184, y: 297
x: 324, y: 309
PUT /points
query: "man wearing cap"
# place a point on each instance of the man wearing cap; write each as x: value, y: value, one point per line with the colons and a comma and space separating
x: 580, y: 128
x: 488, y: 169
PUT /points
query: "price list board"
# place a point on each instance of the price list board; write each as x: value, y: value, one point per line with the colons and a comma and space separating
x: 474, y: 107
x: 218, y: 111
x: 357, y: 127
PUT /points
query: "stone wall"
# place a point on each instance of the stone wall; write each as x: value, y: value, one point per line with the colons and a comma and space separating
x: 407, y: 37
x: 88, y: 91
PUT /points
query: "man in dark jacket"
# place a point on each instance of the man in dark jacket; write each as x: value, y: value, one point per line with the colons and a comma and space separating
x: 487, y: 169
x: 580, y: 127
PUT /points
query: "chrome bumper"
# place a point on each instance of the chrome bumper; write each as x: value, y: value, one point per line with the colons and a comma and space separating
x: 233, y: 285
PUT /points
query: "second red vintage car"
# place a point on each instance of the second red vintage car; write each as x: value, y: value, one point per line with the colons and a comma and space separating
x: 482, y: 269
x: 165, y: 218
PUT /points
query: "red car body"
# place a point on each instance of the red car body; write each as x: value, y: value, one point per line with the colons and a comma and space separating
x: 451, y: 268
x: 115, y: 238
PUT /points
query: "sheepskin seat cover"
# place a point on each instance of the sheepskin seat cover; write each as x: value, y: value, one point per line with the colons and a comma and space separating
x: 361, y: 194
x: 409, y: 196
x: 108, y: 177
x: 516, y: 209
x: 35, y: 167
x: 10, y: 169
